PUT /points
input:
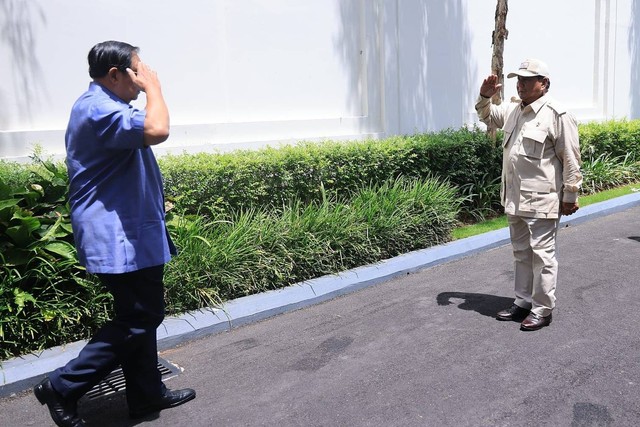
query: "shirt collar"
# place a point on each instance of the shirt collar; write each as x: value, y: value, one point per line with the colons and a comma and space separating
x: 537, y: 105
x: 97, y: 87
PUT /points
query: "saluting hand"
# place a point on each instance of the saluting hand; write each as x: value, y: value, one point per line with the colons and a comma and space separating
x: 490, y: 86
x: 145, y: 78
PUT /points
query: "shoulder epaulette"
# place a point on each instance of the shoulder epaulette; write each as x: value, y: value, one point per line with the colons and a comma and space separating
x: 558, y: 108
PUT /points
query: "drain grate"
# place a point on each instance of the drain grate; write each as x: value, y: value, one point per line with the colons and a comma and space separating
x: 114, y: 382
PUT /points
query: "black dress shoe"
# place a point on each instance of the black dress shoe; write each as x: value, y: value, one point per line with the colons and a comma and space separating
x: 63, y: 413
x: 533, y: 322
x: 515, y: 313
x: 170, y: 399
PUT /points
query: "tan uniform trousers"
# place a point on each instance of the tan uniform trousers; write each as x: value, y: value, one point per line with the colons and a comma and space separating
x: 536, y: 268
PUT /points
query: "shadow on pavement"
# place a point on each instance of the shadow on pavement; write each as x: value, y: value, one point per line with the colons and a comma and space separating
x: 109, y: 411
x: 487, y: 305
x: 589, y: 414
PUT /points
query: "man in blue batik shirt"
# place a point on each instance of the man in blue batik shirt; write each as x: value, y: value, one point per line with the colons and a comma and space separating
x: 117, y: 215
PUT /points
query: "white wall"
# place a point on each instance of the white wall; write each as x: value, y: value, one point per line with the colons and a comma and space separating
x: 243, y: 73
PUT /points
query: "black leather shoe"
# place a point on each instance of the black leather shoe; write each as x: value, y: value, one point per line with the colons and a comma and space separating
x: 63, y: 413
x: 533, y: 322
x: 515, y: 313
x: 170, y: 399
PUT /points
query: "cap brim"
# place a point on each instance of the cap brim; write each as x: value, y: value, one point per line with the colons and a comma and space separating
x: 522, y: 73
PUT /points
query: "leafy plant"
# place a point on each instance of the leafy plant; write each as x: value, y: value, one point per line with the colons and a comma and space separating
x: 606, y: 171
x: 44, y: 293
x: 482, y: 196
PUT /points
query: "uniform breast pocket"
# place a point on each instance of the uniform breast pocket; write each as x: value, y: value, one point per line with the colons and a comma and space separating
x: 533, y: 141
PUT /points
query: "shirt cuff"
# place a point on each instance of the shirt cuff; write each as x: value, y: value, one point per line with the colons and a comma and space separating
x: 569, y: 197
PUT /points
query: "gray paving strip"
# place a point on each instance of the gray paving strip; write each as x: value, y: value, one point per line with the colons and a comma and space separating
x: 22, y: 373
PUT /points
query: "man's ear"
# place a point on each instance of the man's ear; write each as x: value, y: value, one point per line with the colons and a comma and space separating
x: 112, y: 74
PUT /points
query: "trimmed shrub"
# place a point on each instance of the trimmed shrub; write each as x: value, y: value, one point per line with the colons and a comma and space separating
x: 614, y: 138
x: 217, y: 183
x: 14, y: 175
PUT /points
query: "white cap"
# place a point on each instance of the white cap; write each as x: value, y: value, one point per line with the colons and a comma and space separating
x: 531, y: 67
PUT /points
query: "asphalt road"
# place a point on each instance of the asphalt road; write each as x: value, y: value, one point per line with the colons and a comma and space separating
x: 422, y: 350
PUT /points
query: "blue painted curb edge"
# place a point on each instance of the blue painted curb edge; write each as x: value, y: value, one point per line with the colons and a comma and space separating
x: 23, y: 372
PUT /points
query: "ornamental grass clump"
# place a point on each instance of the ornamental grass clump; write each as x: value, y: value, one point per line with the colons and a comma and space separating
x: 605, y: 171
x: 257, y: 250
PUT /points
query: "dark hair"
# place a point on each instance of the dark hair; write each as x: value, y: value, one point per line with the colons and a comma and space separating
x: 103, y: 56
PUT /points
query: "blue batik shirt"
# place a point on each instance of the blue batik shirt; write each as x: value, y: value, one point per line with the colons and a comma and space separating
x: 115, y: 187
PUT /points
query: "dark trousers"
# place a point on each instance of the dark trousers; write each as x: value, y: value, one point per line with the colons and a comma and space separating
x: 129, y: 340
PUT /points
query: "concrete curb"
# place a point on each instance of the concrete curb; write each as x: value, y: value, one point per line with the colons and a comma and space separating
x: 22, y: 373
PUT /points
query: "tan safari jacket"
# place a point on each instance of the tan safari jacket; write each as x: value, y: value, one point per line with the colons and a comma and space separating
x: 541, y: 155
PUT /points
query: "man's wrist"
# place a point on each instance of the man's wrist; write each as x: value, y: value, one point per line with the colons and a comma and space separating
x: 570, y: 197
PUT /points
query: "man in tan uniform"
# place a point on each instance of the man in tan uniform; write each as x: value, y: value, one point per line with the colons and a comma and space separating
x: 540, y: 181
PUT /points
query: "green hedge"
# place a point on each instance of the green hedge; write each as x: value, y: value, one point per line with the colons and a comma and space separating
x: 467, y: 158
x: 614, y: 138
x: 14, y: 175
x: 213, y: 183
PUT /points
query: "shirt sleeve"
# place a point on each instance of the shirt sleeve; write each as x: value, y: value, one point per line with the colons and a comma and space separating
x: 118, y: 126
x: 489, y: 114
x: 568, y: 151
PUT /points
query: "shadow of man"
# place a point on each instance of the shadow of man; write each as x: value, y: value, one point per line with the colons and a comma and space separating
x: 110, y: 411
x: 487, y: 305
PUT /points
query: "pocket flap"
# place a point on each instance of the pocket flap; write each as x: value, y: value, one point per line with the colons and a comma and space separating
x: 535, y: 185
x: 536, y: 134
x: 507, y: 136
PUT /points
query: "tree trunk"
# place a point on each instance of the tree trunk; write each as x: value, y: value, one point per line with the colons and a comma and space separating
x: 500, y: 34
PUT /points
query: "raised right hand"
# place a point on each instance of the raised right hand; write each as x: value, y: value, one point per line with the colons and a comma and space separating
x: 145, y: 77
x: 490, y: 86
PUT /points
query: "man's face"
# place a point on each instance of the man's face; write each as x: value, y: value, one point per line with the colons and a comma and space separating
x: 530, y: 88
x: 121, y: 84
x: 129, y: 90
